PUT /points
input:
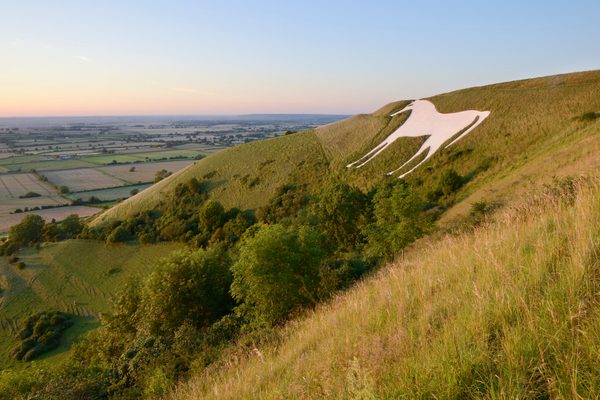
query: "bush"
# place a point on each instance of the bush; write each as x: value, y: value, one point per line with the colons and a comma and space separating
x: 188, y: 286
x: 63, y: 189
x: 277, y: 272
x: 28, y: 231
x: 40, y: 333
x: 119, y: 235
x: 21, y: 265
x: 450, y: 182
x: 398, y: 219
x: 29, y: 195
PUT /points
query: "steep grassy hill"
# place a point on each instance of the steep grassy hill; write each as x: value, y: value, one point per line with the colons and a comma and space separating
x: 509, y: 310
x: 535, y: 131
x: 75, y: 276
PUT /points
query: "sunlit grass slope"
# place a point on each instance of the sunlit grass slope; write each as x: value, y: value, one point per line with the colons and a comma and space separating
x: 534, y: 132
x: 245, y: 176
x: 75, y: 276
x: 509, y: 310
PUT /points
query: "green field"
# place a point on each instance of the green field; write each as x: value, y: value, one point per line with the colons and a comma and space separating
x: 108, y: 194
x: 106, y: 159
x: 76, y: 276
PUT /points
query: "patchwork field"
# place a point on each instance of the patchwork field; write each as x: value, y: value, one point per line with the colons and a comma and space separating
x: 76, y: 276
x: 108, y: 194
x: 14, y: 185
x: 104, y: 159
x: 82, y: 179
x: 143, y: 172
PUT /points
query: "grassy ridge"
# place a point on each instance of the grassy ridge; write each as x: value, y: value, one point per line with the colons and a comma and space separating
x: 75, y: 276
x: 509, y: 310
x: 244, y: 176
x: 534, y: 127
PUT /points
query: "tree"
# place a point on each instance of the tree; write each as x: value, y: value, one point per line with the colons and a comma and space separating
x: 71, y: 226
x: 398, y: 219
x: 63, y: 189
x: 189, y: 286
x: 160, y: 175
x: 341, y: 213
x: 28, y: 231
x: 119, y: 235
x: 277, y: 272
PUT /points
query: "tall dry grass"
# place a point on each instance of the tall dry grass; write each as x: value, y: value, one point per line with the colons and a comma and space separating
x: 509, y: 310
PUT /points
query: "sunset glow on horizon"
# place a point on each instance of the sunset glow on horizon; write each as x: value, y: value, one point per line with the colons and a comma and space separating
x: 199, y: 57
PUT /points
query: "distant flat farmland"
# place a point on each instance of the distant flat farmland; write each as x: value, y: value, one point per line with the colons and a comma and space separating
x: 108, y: 194
x: 144, y: 172
x: 83, y: 179
x: 14, y: 185
x: 58, y: 213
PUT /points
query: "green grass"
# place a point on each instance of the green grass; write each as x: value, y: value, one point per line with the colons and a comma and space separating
x: 244, y: 176
x: 106, y: 159
x: 509, y: 310
x: 108, y: 194
x: 533, y: 133
x: 75, y: 276
x: 47, y: 165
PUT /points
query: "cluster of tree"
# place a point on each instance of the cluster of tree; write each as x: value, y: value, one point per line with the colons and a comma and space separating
x: 242, y: 275
x: 40, y: 333
x: 239, y: 280
x: 187, y: 215
x: 33, y: 230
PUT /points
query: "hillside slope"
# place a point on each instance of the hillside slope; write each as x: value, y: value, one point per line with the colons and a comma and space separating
x: 510, y: 310
x: 534, y: 131
x: 75, y: 276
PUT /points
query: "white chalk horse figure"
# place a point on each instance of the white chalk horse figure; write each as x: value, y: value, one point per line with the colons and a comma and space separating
x: 425, y: 120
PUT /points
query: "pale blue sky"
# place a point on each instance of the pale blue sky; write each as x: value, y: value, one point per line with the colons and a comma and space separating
x: 109, y: 57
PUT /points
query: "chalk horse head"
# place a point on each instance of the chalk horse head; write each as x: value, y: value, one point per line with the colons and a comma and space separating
x: 425, y: 120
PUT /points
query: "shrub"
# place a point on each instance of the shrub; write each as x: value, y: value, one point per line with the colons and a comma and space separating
x: 28, y: 231
x: 29, y: 195
x: 63, y: 189
x: 450, y: 182
x: 119, y: 235
x: 277, y: 272
x: 40, y: 333
x: 188, y: 286
x: 398, y: 219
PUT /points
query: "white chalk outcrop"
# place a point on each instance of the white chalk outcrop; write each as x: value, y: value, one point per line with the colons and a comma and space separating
x: 425, y: 120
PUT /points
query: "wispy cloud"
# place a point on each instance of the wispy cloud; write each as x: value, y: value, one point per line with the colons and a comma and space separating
x: 84, y: 59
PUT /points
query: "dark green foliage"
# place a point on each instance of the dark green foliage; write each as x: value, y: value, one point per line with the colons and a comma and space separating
x: 341, y: 214
x: 28, y: 231
x: 398, y: 219
x: 160, y: 175
x: 66, y: 383
x: 64, y: 190
x: 40, y: 333
x: 119, y: 235
x: 188, y: 286
x: 278, y: 272
x: 287, y: 203
x: 71, y: 227
x: 29, y: 195
x: 450, y: 182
